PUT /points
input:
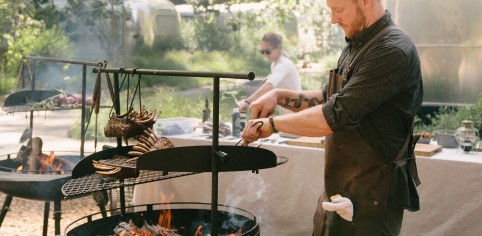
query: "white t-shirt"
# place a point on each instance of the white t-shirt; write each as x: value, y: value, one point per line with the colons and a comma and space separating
x: 284, y: 74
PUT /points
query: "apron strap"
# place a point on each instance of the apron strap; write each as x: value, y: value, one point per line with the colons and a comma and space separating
x: 399, y: 161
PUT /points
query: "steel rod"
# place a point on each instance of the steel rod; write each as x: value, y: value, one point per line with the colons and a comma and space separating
x: 57, y: 216
x: 33, y: 58
x: 231, y: 75
x: 122, y: 200
x: 117, y: 102
x: 46, y: 218
x: 82, y: 122
x: 214, y: 158
x: 5, y: 208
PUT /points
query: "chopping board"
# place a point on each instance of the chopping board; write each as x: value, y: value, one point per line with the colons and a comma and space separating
x: 427, y: 150
x: 315, y: 142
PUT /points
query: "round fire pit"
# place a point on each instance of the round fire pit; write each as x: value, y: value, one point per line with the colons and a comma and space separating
x: 34, y: 185
x: 186, y: 219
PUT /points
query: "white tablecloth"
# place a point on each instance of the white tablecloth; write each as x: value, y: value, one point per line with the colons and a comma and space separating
x: 284, y: 198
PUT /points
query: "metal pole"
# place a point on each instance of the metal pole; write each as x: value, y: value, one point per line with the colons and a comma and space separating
x: 117, y: 101
x: 214, y: 159
x: 61, y: 60
x: 82, y: 122
x: 57, y: 216
x: 209, y: 74
x: 46, y: 218
x: 5, y: 208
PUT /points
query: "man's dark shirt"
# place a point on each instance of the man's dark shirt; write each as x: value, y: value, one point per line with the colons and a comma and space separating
x: 384, y: 92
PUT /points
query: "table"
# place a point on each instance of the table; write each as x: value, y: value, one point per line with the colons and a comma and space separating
x: 284, y: 198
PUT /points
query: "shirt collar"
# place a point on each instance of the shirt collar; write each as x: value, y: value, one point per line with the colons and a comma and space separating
x: 360, y: 38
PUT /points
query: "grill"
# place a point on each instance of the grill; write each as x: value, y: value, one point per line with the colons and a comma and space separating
x: 30, y: 185
x: 170, y: 163
x: 186, y: 218
x: 34, y: 185
x: 164, y: 164
x: 161, y: 163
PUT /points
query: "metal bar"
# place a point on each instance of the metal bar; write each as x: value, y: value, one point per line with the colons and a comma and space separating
x: 122, y: 200
x: 46, y: 218
x: 5, y: 208
x: 82, y: 122
x: 117, y: 102
x: 57, y: 216
x: 231, y: 75
x: 60, y: 60
x: 214, y: 159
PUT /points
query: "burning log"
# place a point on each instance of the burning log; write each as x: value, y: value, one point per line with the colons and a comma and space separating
x: 33, y: 160
x: 34, y: 146
x: 131, y: 229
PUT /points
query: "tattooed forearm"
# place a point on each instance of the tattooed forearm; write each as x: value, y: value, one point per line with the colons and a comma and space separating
x: 297, y: 101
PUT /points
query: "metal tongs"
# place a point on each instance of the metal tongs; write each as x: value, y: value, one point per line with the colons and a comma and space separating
x: 241, y: 141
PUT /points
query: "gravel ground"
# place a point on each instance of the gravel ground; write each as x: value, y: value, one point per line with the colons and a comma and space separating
x: 25, y: 217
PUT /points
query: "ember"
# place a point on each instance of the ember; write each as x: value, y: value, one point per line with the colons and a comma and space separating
x: 131, y: 229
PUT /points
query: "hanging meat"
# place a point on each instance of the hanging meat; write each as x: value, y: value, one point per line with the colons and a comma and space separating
x: 131, y: 123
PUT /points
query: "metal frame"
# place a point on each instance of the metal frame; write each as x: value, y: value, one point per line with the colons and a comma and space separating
x: 215, y: 153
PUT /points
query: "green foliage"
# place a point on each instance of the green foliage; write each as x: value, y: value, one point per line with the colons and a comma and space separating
x: 451, y: 118
x: 329, y: 37
x: 33, y: 38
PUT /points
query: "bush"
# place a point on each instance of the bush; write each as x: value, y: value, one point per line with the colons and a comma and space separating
x: 451, y: 118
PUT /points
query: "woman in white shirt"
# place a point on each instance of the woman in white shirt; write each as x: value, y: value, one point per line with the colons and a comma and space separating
x: 283, y: 72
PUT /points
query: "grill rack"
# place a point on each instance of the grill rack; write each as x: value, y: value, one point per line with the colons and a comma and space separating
x: 96, y: 182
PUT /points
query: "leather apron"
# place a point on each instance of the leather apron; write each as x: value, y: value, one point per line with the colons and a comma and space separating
x: 354, y: 170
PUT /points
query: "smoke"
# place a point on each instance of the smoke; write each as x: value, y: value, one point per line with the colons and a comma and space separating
x: 249, y: 190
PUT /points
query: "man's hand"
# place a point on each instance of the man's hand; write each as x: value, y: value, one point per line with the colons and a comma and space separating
x: 265, y: 105
x: 256, y: 129
x: 243, y: 105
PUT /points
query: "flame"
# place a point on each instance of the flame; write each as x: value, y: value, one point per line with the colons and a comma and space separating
x: 166, y: 216
x: 20, y: 168
x: 49, y: 163
x: 238, y: 233
x: 198, y: 231
x: 165, y: 219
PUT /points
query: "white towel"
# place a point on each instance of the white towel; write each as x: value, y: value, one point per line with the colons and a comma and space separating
x: 342, y: 205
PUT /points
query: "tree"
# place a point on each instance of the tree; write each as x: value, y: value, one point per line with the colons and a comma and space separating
x: 23, y: 35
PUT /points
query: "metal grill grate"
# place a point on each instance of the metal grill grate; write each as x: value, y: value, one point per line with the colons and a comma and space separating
x: 95, y: 182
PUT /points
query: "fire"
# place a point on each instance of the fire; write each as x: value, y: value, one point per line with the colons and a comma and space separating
x: 166, y: 216
x: 49, y: 163
x: 163, y: 227
x: 19, y: 168
x: 165, y: 219
x: 198, y: 231
x: 238, y: 233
